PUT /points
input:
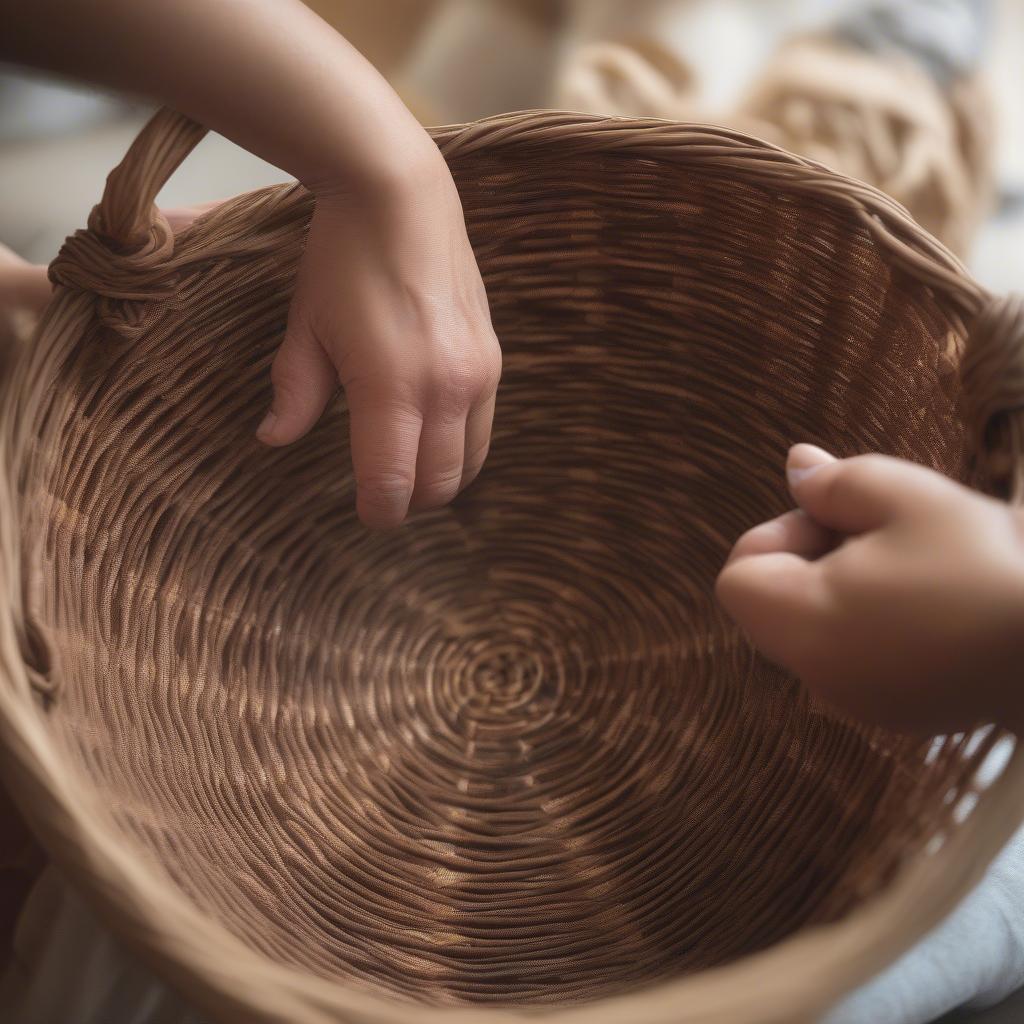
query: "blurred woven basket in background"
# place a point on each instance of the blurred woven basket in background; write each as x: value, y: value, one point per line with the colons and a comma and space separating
x: 511, y: 756
x: 885, y: 121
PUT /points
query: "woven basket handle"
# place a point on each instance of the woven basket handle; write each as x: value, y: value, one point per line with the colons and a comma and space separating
x: 992, y: 370
x: 992, y: 375
x: 126, y: 215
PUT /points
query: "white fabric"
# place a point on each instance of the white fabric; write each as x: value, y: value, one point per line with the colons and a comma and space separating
x: 948, y: 36
x: 68, y: 968
x: 974, y: 959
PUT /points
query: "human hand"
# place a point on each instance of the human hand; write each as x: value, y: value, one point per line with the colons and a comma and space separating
x: 389, y: 302
x: 23, y: 285
x: 894, y: 593
x: 24, y: 291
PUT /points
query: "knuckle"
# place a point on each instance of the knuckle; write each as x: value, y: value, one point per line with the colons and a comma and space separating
x: 491, y: 373
x: 383, y: 488
x: 454, y: 382
x: 440, y: 488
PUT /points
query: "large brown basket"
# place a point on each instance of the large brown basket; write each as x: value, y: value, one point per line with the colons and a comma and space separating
x: 510, y: 762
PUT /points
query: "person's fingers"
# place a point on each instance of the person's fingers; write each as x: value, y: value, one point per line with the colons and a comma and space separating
x: 805, y: 459
x: 780, y: 600
x: 862, y: 493
x: 793, y: 532
x: 439, y: 463
x: 304, y: 380
x: 478, y: 439
x: 459, y: 406
x: 385, y: 439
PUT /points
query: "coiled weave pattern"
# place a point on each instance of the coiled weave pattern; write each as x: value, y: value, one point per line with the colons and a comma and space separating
x: 511, y: 754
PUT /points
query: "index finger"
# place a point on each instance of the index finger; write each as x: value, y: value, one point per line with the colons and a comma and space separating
x: 779, y: 600
x: 794, y: 532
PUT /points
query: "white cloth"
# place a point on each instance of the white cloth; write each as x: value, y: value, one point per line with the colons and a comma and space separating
x: 948, y: 36
x: 974, y: 959
x: 69, y: 968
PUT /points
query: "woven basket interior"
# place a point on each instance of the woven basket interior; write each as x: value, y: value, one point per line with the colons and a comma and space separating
x: 511, y: 753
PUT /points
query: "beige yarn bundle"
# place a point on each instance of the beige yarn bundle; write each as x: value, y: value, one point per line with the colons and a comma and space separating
x: 875, y: 115
x: 883, y: 120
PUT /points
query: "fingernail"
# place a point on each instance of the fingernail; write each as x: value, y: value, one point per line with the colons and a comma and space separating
x: 803, y: 460
x: 796, y: 476
x: 266, y: 428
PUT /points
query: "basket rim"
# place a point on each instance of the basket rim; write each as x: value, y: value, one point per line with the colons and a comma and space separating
x: 222, y: 975
x: 713, y: 147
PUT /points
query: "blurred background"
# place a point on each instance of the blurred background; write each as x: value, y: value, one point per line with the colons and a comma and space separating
x: 924, y: 98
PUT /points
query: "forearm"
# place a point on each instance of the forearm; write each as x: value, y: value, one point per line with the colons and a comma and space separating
x: 22, y: 285
x: 268, y: 74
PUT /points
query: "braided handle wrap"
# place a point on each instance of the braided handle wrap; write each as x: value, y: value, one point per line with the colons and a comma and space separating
x: 123, y: 253
x: 993, y: 382
x: 125, y: 215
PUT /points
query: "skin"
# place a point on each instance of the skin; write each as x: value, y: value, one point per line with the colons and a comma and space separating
x: 22, y: 285
x: 388, y: 302
x: 894, y: 593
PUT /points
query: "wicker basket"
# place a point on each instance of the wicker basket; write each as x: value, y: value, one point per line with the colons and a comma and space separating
x: 510, y: 762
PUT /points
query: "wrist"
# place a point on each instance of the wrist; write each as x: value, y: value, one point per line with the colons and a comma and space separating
x: 396, y: 167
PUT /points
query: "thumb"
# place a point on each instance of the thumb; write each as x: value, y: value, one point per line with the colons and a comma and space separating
x: 779, y: 600
x: 304, y: 380
x: 861, y: 493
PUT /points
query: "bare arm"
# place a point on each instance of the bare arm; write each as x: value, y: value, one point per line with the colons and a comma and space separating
x: 268, y: 74
x: 388, y: 301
